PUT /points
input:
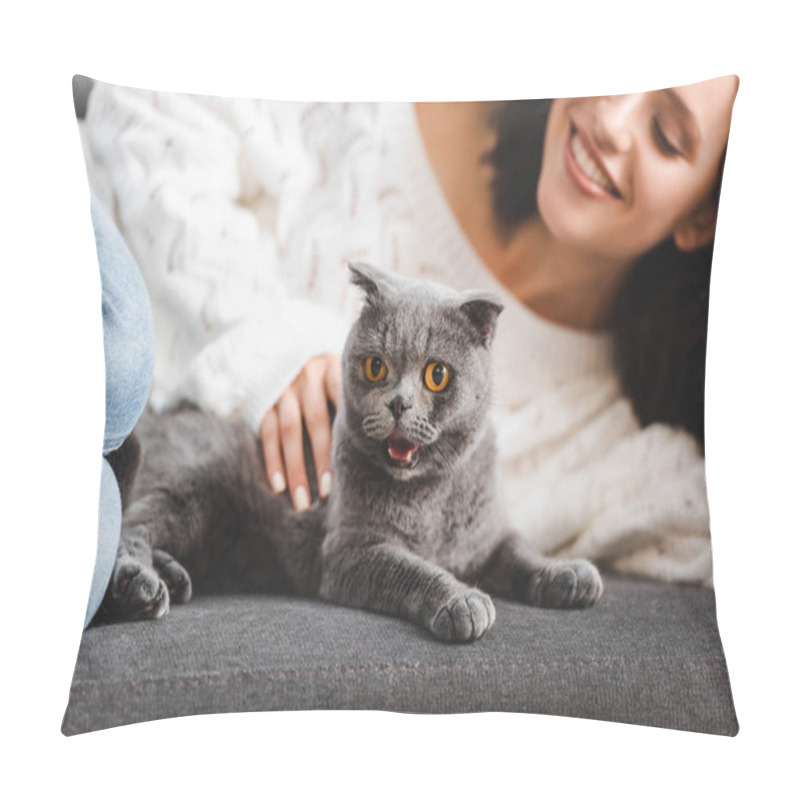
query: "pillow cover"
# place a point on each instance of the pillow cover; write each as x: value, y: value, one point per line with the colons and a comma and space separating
x: 225, y: 229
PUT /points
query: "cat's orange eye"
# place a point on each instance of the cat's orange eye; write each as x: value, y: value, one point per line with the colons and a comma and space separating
x: 437, y: 376
x: 374, y: 369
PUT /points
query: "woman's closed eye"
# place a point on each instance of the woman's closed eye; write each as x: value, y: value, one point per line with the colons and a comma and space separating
x: 666, y: 144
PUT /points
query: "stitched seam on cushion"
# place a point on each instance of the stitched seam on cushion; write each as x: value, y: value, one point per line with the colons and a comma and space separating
x: 220, y: 679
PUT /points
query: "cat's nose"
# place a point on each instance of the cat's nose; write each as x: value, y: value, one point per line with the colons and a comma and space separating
x: 397, y: 407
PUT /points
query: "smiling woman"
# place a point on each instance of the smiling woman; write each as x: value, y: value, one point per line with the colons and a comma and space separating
x: 606, y: 221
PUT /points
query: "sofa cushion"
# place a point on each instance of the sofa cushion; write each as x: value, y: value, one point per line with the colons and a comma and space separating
x: 648, y: 654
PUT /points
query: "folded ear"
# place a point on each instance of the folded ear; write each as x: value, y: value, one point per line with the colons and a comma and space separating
x: 482, y: 310
x: 375, y: 282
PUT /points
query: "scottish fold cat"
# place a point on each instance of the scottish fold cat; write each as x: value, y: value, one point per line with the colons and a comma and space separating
x: 413, y: 527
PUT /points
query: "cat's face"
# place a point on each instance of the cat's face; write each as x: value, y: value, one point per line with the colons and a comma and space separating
x: 417, y: 373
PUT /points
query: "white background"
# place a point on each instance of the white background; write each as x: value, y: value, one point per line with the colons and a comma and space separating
x: 52, y: 385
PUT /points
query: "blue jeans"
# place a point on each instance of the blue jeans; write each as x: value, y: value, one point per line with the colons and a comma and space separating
x: 129, y: 345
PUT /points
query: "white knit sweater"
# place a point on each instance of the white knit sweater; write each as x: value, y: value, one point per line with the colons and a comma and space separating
x: 243, y: 216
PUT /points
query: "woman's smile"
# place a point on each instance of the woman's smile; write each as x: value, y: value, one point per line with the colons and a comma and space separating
x: 586, y: 168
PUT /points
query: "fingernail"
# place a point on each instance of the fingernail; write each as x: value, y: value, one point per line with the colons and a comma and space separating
x: 278, y: 484
x: 301, y: 498
x: 325, y: 484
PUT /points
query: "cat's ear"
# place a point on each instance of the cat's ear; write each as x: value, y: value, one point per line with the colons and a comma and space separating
x: 482, y: 310
x: 375, y: 282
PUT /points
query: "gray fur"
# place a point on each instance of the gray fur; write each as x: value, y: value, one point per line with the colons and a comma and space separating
x: 415, y: 535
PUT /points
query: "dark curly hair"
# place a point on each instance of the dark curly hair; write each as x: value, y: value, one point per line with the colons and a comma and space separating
x: 659, y: 318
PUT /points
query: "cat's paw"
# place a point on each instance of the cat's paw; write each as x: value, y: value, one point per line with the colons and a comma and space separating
x: 465, y: 617
x: 137, y: 591
x: 567, y: 584
x: 176, y: 578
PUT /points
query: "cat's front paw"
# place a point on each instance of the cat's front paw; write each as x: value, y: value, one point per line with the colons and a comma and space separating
x: 567, y: 584
x: 465, y: 617
x: 137, y: 591
x: 176, y: 578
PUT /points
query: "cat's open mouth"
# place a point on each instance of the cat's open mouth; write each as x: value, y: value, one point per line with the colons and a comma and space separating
x: 402, y: 452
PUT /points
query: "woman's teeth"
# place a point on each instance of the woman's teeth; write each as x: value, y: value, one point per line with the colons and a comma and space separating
x: 589, y: 166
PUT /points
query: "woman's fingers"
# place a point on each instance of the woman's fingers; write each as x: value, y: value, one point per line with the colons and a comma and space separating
x: 271, y: 445
x: 281, y: 430
x: 314, y: 406
x: 290, y: 424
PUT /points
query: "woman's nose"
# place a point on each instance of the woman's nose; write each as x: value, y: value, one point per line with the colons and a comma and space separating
x: 614, y: 121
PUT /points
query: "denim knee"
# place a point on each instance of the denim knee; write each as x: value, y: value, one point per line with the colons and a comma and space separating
x: 129, y: 370
x: 128, y: 337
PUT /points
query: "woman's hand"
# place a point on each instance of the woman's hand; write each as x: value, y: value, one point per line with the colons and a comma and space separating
x: 281, y: 430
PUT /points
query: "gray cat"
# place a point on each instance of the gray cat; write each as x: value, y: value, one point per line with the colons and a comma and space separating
x: 413, y: 525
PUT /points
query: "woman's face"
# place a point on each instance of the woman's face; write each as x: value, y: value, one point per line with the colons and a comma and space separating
x: 622, y: 173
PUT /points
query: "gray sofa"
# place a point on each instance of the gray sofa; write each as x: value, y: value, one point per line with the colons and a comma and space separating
x: 648, y: 653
